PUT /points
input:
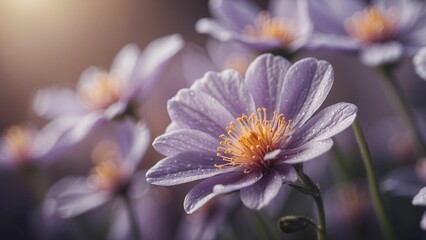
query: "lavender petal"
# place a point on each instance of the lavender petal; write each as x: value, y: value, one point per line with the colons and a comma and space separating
x: 217, y: 185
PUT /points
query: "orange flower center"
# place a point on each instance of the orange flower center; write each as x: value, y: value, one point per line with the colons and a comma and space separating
x: 250, y: 138
x: 372, y: 24
x: 107, y: 173
x: 102, y: 91
x: 267, y: 27
x: 18, y: 142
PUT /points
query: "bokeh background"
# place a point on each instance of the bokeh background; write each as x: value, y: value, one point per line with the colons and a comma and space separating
x: 51, y: 42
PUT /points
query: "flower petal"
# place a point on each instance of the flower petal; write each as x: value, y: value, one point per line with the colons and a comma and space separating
x: 229, y: 89
x: 306, y: 152
x: 83, y: 126
x: 419, y: 62
x: 258, y: 195
x: 200, y: 111
x: 214, y: 186
x: 381, y: 53
x: 327, y: 123
x: 239, y: 13
x: 139, y: 137
x: 72, y: 196
x: 126, y: 62
x: 185, y: 167
x: 420, y: 198
x: 287, y: 172
x: 264, y: 79
x: 57, y: 101
x: 153, y: 62
x: 185, y: 140
x: 305, y: 88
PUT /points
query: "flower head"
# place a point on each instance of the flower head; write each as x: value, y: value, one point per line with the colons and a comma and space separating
x: 113, y: 172
x: 381, y: 32
x: 24, y: 145
x: 244, y: 133
x: 101, y: 96
x: 284, y: 26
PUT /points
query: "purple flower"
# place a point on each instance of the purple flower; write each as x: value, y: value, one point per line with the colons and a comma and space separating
x: 244, y: 133
x: 381, y: 32
x: 420, y: 199
x: 113, y: 172
x: 419, y: 62
x: 286, y: 25
x: 24, y: 145
x: 101, y: 96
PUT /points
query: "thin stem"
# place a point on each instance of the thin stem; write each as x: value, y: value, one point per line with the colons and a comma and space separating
x: 307, y: 182
x: 132, y: 217
x: 372, y: 183
x: 395, y: 94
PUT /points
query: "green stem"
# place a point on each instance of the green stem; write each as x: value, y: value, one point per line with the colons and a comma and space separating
x: 307, y: 182
x: 395, y: 95
x: 132, y: 217
x: 372, y: 183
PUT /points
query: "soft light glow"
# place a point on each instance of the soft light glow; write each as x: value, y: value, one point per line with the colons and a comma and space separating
x: 18, y: 142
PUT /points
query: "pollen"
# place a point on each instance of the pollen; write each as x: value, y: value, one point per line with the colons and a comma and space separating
x: 18, y: 142
x: 101, y: 91
x: 372, y: 24
x: 268, y: 27
x: 107, y: 173
x: 250, y: 138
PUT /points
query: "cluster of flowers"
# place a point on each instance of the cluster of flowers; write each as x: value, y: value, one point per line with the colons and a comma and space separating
x: 248, y: 121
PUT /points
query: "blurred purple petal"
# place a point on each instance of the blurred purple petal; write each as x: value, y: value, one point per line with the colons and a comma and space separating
x: 419, y: 62
x: 126, y: 62
x: 420, y: 198
x: 238, y: 13
x: 384, y: 53
x: 153, y: 62
x: 73, y: 196
x: 54, y: 102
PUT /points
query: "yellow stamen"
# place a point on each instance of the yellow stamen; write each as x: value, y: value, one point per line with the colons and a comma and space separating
x: 250, y: 138
x: 18, y: 142
x: 372, y: 24
x: 107, y: 173
x: 102, y: 91
x: 267, y: 27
